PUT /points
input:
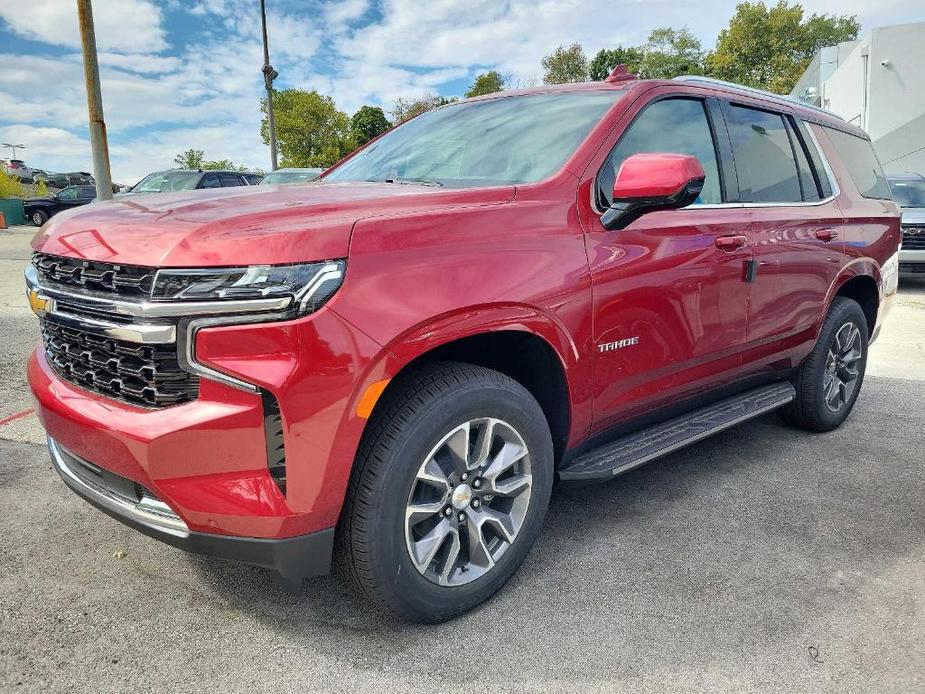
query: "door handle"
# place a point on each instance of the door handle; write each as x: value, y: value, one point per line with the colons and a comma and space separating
x: 730, y: 243
x: 826, y: 235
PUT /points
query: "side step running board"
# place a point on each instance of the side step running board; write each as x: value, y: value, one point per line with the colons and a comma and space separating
x: 642, y: 446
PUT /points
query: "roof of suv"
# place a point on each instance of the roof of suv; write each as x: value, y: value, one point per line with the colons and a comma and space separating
x: 805, y: 111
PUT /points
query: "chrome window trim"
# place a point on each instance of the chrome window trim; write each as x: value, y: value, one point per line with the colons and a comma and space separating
x: 153, y: 514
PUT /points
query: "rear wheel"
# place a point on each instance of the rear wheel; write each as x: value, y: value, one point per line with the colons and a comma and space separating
x: 39, y: 217
x: 450, y: 491
x: 829, y: 380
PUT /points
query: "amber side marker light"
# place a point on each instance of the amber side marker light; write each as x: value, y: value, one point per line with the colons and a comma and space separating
x: 371, y: 397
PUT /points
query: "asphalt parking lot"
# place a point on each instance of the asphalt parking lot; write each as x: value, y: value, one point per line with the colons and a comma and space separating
x: 763, y: 559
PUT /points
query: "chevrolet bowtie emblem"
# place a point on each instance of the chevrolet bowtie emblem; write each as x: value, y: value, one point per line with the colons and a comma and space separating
x: 38, y: 304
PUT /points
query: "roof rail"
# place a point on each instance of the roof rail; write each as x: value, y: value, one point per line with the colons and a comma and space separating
x: 757, y: 92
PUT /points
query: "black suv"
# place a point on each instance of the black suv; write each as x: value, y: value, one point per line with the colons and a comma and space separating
x: 38, y: 210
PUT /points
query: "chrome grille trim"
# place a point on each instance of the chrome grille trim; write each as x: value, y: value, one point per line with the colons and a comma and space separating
x: 148, y: 511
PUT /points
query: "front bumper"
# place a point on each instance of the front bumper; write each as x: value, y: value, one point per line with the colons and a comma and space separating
x: 293, y: 558
x: 912, y: 263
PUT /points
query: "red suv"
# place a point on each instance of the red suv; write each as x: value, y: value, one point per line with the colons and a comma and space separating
x: 395, y: 364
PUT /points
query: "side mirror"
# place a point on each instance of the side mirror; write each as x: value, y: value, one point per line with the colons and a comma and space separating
x: 650, y: 182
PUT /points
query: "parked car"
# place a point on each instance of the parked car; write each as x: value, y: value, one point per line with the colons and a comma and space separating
x: 291, y: 175
x: 39, y: 210
x: 17, y: 168
x: 558, y: 283
x: 186, y: 179
x: 909, y: 194
x: 74, y: 178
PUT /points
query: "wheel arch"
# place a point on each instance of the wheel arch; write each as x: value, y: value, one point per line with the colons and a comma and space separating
x: 861, y: 283
x: 518, y: 341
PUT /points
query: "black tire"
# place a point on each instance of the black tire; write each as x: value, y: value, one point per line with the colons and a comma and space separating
x: 38, y: 217
x: 415, y: 413
x: 810, y: 410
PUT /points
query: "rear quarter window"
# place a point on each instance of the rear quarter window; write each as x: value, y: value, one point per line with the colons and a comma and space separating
x: 857, y: 155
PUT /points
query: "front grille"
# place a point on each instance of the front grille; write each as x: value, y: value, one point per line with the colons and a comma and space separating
x: 913, y: 238
x: 130, y: 281
x: 145, y: 375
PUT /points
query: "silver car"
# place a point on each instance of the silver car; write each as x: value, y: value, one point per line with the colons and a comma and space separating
x: 909, y: 194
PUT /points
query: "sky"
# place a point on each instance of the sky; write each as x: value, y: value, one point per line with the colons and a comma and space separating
x: 180, y: 74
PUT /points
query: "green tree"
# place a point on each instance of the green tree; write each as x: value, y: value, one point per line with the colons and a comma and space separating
x: 769, y: 48
x: 606, y: 60
x: 565, y: 65
x: 190, y: 159
x: 310, y: 130
x: 222, y: 165
x: 486, y: 83
x: 669, y: 53
x: 367, y: 123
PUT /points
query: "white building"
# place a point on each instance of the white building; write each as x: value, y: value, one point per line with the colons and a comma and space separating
x: 878, y: 83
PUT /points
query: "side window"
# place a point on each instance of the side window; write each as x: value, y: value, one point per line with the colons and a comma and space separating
x: 858, y: 156
x: 230, y: 180
x: 210, y: 181
x: 677, y: 126
x: 68, y: 194
x: 765, y: 163
x: 808, y: 184
x: 86, y: 193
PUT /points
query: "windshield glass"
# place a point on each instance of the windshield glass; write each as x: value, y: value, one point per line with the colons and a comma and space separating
x: 165, y: 181
x: 290, y: 176
x: 518, y: 139
x: 908, y: 193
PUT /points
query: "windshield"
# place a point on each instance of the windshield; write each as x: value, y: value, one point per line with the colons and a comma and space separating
x: 290, y: 176
x: 508, y: 140
x: 908, y: 193
x: 165, y: 181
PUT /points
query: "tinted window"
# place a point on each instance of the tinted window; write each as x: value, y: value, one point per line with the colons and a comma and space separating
x: 764, y: 158
x: 230, y: 180
x: 87, y: 193
x: 858, y: 156
x: 68, y: 194
x: 516, y: 139
x: 808, y: 184
x: 211, y: 181
x: 676, y: 126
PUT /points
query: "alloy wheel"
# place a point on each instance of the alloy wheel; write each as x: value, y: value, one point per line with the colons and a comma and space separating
x: 468, y: 501
x: 841, y: 367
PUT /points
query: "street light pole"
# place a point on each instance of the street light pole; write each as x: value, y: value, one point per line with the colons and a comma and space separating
x: 269, y: 74
x: 98, y: 143
x: 14, y: 148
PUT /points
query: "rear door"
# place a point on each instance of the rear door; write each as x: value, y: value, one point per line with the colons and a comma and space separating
x: 794, y: 230
x: 669, y: 305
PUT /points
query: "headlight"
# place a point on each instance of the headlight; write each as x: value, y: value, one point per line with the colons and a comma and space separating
x: 309, y: 285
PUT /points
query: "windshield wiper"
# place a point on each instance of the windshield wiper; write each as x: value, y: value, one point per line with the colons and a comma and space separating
x: 413, y: 182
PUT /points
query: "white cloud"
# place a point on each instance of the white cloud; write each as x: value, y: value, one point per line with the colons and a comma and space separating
x: 131, y: 26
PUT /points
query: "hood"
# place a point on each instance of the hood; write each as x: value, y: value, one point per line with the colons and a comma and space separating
x: 250, y: 225
x: 913, y: 215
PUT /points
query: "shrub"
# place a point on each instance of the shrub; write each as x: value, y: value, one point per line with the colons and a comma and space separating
x: 10, y: 187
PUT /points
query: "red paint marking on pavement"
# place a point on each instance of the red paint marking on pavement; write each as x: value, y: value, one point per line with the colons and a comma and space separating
x: 14, y: 417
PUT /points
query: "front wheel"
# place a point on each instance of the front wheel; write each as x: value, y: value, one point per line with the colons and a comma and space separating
x: 39, y: 217
x: 451, y: 487
x: 829, y: 381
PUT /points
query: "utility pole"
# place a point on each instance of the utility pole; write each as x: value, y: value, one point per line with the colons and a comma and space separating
x: 14, y: 148
x: 98, y: 144
x: 269, y: 74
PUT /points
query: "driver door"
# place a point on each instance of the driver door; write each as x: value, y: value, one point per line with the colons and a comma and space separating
x: 669, y: 300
